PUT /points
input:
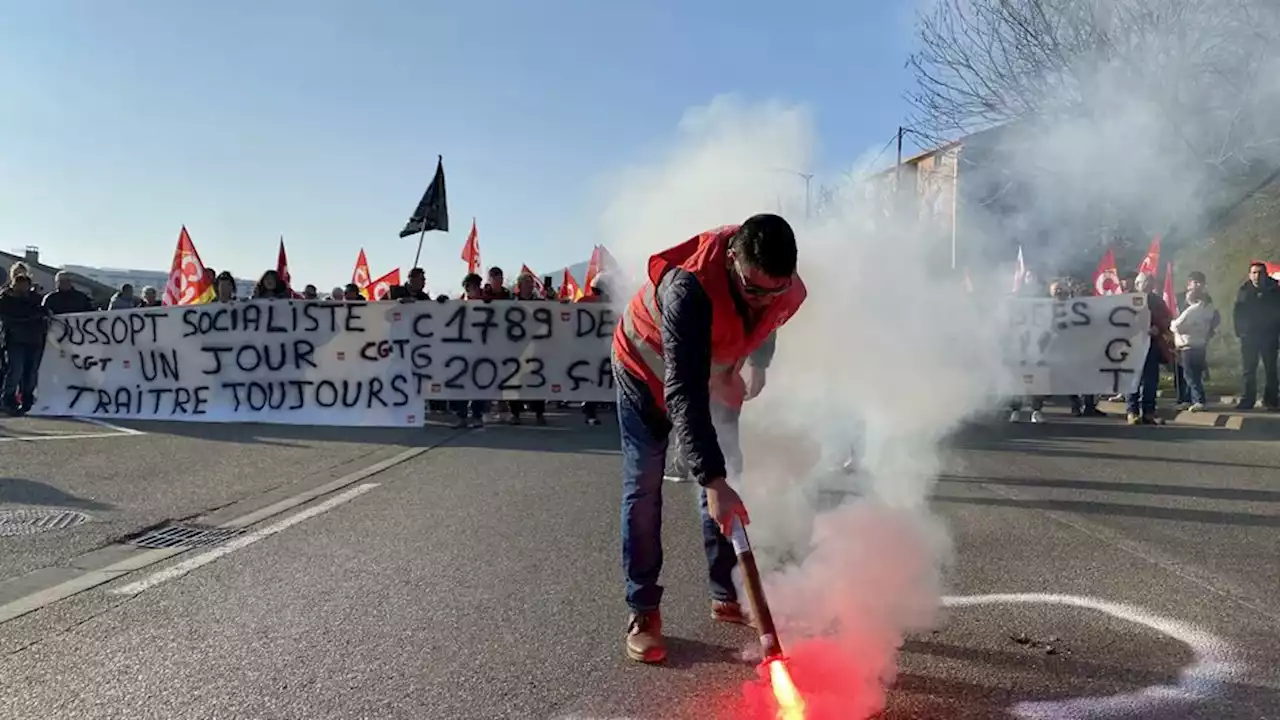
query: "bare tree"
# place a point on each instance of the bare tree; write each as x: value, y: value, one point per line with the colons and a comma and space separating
x: 1206, y: 67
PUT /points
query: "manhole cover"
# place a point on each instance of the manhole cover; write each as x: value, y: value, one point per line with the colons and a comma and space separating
x: 33, y: 521
x: 184, y: 536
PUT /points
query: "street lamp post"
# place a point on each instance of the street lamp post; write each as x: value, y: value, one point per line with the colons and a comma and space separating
x: 808, y: 178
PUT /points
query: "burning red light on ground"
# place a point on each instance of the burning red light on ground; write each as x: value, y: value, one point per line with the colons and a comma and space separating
x: 785, y: 694
x: 829, y: 681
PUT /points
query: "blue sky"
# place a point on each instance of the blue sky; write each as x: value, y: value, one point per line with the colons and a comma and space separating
x: 322, y: 120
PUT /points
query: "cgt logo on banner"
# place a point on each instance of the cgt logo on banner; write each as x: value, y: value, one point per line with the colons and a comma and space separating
x: 320, y: 363
x: 1078, y: 346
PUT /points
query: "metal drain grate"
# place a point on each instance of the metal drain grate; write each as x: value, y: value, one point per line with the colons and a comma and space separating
x: 184, y: 536
x: 31, y: 521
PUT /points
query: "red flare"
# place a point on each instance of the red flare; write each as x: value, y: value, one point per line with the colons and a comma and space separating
x: 785, y: 694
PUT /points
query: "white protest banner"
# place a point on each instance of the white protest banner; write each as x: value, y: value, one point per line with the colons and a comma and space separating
x: 290, y: 362
x: 507, y: 350
x: 1077, y: 346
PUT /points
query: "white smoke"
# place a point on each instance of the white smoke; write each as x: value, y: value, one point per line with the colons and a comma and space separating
x: 884, y: 354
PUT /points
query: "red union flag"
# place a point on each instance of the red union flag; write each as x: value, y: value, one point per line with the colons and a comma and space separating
x: 187, y: 282
x: 1169, y: 295
x: 360, y: 275
x: 1150, y: 265
x: 569, y: 289
x: 380, y: 289
x: 1106, y: 280
x: 471, y: 249
x: 282, y: 267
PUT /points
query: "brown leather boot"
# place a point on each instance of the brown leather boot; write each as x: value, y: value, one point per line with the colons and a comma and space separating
x: 644, y: 637
x: 728, y: 612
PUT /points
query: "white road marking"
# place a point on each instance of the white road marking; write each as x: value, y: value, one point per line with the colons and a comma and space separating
x: 116, y: 431
x: 1214, y: 664
x: 204, y: 558
x: 76, y: 436
x: 112, y: 426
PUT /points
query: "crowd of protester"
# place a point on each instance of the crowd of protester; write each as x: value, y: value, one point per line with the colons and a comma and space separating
x: 1180, y: 343
x: 25, y: 314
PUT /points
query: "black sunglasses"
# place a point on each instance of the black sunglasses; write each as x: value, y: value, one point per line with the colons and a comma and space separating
x: 755, y: 290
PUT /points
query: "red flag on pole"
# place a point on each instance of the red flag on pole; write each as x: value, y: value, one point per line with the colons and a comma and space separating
x: 1150, y: 265
x: 1106, y: 279
x: 471, y: 249
x: 380, y: 289
x: 282, y: 269
x: 360, y: 275
x: 1170, y: 297
x: 569, y: 287
x: 593, y: 271
x: 187, y: 282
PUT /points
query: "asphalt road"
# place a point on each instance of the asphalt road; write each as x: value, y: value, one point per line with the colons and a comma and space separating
x: 1136, y: 570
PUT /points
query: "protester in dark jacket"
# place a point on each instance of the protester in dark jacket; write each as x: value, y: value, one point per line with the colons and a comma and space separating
x: 24, y: 329
x: 1141, y: 400
x: 1256, y: 316
x: 415, y: 289
x: 495, y: 288
x: 66, y: 299
x: 708, y: 306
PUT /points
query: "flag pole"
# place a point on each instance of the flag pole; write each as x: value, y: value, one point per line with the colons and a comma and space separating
x: 421, y: 236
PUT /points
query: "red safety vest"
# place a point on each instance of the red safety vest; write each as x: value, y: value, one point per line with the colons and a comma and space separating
x: 637, y: 340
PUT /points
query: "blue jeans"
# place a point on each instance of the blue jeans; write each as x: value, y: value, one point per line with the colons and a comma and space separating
x: 21, y: 373
x: 1143, y: 400
x: 1194, y: 362
x: 644, y: 429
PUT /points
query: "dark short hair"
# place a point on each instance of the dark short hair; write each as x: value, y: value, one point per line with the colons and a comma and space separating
x: 417, y: 272
x: 1197, y: 276
x: 766, y: 243
x: 495, y: 270
x: 472, y: 279
x: 1262, y: 265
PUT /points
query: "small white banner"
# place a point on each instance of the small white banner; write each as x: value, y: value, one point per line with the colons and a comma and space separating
x: 1078, y: 346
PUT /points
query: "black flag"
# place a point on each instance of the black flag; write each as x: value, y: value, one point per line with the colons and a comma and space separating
x: 432, y: 212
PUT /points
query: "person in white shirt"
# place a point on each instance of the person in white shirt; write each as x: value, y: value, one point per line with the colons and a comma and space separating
x: 1191, y: 332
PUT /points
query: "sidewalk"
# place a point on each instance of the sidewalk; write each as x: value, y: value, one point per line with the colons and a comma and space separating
x: 1219, y: 412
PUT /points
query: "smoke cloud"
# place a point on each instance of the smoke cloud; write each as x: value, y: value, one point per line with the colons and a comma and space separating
x: 883, y: 356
